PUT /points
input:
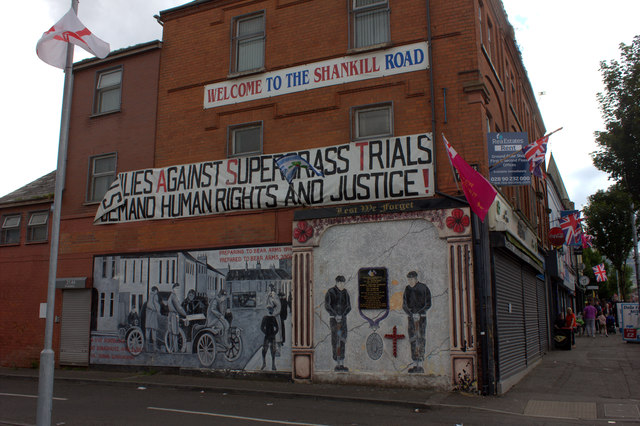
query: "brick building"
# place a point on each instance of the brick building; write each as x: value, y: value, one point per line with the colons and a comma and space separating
x: 388, y: 276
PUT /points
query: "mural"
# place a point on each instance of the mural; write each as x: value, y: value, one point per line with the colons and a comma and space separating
x: 381, y: 301
x: 217, y: 309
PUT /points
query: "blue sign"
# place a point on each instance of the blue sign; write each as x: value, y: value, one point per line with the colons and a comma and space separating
x: 515, y: 169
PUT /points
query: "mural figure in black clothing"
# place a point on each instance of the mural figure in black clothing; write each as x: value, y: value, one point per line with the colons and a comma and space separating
x: 269, y: 327
x: 416, y: 301
x: 338, y: 303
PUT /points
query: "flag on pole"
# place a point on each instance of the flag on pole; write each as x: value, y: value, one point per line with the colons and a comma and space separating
x: 570, y: 224
x: 478, y: 191
x: 290, y: 164
x: 52, y: 46
x: 587, y: 241
x: 601, y: 273
x: 534, y: 153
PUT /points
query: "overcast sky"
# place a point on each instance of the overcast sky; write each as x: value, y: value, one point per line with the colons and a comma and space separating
x: 562, y: 44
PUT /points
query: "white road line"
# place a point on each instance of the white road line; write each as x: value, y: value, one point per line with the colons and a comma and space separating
x: 29, y: 396
x: 228, y: 416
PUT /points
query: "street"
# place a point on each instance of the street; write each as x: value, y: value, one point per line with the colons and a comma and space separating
x: 78, y: 403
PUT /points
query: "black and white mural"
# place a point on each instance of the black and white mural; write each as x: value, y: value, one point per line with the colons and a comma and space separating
x: 219, y: 309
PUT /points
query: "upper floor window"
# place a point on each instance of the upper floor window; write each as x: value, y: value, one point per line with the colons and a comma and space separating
x: 102, y: 172
x: 372, y: 121
x: 37, y: 229
x: 108, y: 91
x: 245, y: 139
x: 370, y: 22
x: 247, y: 43
x: 10, y: 233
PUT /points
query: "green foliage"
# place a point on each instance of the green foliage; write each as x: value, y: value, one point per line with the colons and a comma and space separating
x: 619, y: 145
x: 608, y: 218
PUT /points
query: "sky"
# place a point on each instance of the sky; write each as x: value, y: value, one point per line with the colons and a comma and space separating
x: 562, y: 43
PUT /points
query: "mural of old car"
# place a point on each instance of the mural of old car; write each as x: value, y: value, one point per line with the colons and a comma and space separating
x: 203, y: 334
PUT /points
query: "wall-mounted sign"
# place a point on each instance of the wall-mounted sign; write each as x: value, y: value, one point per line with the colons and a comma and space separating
x: 69, y: 283
x: 510, y: 171
x: 556, y: 236
x: 372, y: 288
x: 399, y: 60
x: 379, y: 170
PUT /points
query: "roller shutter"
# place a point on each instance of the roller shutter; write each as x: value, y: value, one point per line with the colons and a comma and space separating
x: 511, y: 342
x: 74, y: 330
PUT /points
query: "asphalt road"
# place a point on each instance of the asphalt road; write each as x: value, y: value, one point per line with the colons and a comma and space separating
x: 125, y: 404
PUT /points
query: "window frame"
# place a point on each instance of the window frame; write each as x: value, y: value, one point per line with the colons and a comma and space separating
x: 357, y: 11
x: 32, y: 228
x: 91, y: 176
x: 231, y: 152
x: 355, y: 120
x: 98, y: 91
x: 8, y: 230
x: 234, y: 53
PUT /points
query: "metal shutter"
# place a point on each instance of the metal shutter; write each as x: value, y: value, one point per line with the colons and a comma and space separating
x: 74, y: 330
x: 543, y: 324
x: 530, y: 296
x: 509, y: 316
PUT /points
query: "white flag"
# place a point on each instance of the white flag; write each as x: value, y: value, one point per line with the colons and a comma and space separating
x: 52, y: 46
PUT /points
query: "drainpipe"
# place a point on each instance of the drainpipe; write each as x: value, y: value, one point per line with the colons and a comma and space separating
x: 433, y: 94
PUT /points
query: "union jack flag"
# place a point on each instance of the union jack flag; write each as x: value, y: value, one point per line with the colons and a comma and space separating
x: 534, y: 153
x: 587, y: 241
x: 601, y: 273
x: 570, y: 225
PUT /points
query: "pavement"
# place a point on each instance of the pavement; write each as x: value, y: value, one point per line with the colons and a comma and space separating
x: 598, y: 380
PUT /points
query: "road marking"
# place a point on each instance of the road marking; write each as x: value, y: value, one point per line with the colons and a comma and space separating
x: 29, y: 396
x: 228, y: 416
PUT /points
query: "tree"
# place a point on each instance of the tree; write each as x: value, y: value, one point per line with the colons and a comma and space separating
x: 619, y: 146
x: 607, y: 215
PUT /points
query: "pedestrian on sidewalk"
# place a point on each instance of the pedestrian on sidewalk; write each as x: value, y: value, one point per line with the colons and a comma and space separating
x: 589, y: 315
x: 602, y: 322
x: 570, y: 324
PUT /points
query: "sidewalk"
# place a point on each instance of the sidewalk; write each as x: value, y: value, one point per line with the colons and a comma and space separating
x: 598, y: 380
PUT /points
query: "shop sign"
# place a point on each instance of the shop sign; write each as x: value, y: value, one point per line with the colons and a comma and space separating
x: 556, y: 236
x: 69, y: 283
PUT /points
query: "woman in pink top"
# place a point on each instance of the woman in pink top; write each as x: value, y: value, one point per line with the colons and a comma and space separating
x: 589, y: 315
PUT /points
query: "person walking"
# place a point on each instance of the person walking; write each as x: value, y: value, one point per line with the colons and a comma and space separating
x: 602, y: 322
x: 589, y: 315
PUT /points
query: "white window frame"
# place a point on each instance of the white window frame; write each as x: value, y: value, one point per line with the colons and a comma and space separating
x: 358, y: 113
x: 38, y: 220
x: 104, y: 88
x: 92, y: 193
x: 358, y: 11
x: 231, y: 137
x: 239, y: 42
x: 8, y: 229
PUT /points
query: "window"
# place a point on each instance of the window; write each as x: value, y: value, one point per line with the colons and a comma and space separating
x: 10, y: 229
x: 102, y: 172
x: 108, y: 90
x: 247, y: 43
x: 489, y: 46
x: 245, y: 139
x: 37, y: 228
x: 370, y: 23
x: 372, y: 121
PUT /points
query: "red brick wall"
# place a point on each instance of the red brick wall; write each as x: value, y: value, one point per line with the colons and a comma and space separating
x: 24, y: 271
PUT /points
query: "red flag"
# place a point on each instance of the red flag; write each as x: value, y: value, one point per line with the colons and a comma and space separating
x: 478, y: 191
x: 52, y: 46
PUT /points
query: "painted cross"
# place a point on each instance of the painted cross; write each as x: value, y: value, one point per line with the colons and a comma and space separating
x: 395, y: 337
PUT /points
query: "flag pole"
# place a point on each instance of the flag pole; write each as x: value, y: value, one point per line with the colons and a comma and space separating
x: 47, y: 356
x: 516, y: 153
x: 453, y: 172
